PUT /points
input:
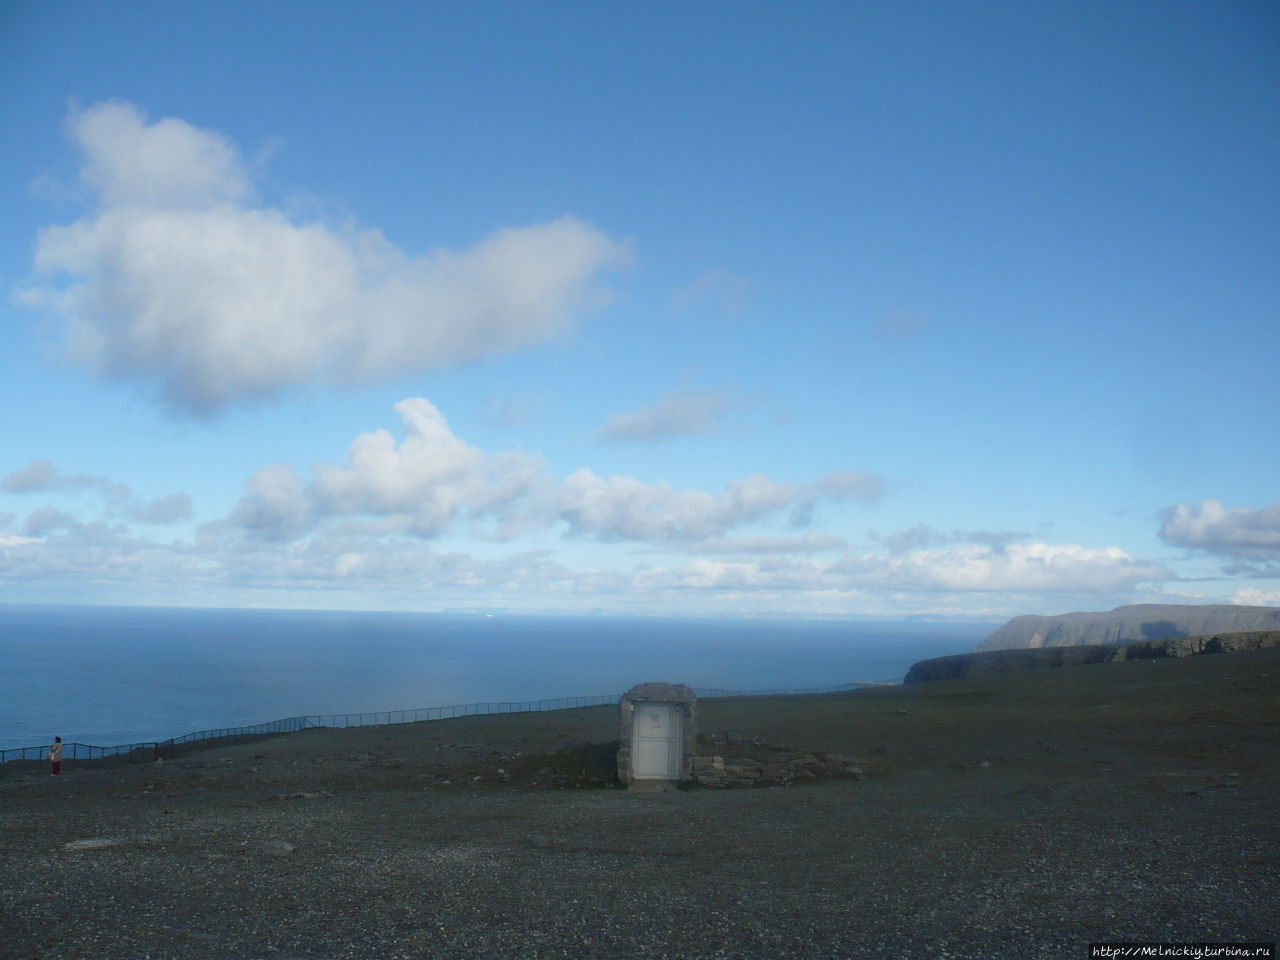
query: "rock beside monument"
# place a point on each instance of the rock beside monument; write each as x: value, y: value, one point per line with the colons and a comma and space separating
x: 1144, y: 621
x: 275, y: 848
x: 726, y: 761
x: 1018, y: 661
x: 101, y: 843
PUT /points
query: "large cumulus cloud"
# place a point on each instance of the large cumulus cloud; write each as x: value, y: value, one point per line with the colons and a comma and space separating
x: 420, y: 486
x: 180, y: 280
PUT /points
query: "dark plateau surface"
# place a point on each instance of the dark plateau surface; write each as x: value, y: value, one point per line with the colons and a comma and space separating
x: 1019, y: 815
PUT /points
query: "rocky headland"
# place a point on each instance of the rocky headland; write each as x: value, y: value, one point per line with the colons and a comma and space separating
x: 993, y: 662
x: 1144, y: 621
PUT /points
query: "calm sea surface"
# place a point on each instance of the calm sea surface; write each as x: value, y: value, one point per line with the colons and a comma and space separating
x: 112, y: 675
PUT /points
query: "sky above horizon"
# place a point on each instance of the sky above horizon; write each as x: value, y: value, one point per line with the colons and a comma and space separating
x: 816, y: 309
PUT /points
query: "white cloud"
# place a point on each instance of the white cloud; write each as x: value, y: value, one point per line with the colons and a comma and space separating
x: 922, y: 535
x: 276, y: 506
x: 914, y: 538
x: 835, y: 487
x: 1253, y: 597
x: 35, y: 476
x: 429, y: 474
x: 403, y: 566
x: 131, y: 162
x: 48, y: 520
x: 1240, y: 531
x: 41, y: 476
x: 973, y: 580
x: 162, y: 510
x: 1018, y: 567
x: 367, y: 563
x: 1022, y: 569
x: 87, y: 557
x: 422, y: 485
x: 432, y: 480
x: 179, y: 281
x: 748, y: 575
x: 624, y: 508
x: 676, y: 414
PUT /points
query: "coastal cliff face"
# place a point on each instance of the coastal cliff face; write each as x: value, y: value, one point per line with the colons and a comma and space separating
x: 1146, y: 621
x: 1020, y: 661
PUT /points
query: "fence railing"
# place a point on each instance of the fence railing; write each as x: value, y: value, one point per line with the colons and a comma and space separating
x: 165, y: 749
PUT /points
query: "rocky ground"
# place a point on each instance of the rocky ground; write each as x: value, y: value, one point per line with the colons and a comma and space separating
x: 997, y: 817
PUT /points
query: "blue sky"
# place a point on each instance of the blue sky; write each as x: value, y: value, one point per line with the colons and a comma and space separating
x: 840, y: 310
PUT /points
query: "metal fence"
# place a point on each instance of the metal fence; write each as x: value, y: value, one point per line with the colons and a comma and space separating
x: 165, y: 749
x: 153, y: 749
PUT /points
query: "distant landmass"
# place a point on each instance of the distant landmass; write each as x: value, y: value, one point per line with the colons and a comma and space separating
x: 990, y: 662
x: 1143, y: 621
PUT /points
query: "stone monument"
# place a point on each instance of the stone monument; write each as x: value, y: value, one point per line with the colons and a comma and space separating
x: 657, y: 730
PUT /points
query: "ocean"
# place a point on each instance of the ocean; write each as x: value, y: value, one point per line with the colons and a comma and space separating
x: 115, y: 675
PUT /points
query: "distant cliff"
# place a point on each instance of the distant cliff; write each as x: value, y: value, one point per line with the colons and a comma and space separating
x: 1145, y: 621
x: 1020, y: 661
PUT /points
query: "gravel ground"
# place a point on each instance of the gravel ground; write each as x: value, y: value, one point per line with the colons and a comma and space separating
x: 1004, y: 817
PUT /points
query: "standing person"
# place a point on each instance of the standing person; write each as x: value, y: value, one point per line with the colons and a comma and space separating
x: 55, y: 756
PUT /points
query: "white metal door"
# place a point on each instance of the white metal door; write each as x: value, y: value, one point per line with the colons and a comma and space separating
x: 657, y: 732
